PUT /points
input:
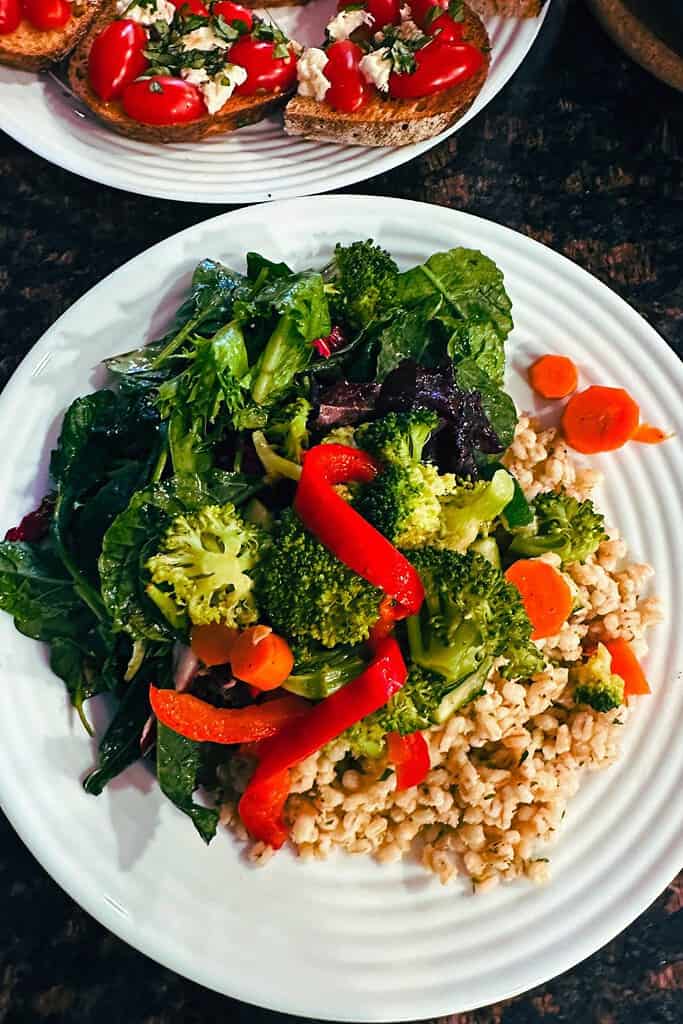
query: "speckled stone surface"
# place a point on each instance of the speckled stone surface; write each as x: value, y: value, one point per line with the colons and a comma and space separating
x: 583, y: 151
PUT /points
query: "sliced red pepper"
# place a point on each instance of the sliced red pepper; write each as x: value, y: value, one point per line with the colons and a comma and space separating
x: 344, y: 532
x: 385, y: 623
x: 626, y: 665
x: 410, y: 757
x: 197, y: 720
x: 383, y: 677
x: 261, y: 809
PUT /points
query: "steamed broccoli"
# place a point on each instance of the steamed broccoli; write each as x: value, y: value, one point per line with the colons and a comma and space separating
x: 398, y: 437
x: 403, y: 502
x: 287, y: 428
x: 570, y: 528
x: 470, y: 615
x: 471, y: 508
x: 596, y: 684
x: 319, y: 672
x: 364, y: 277
x: 425, y: 699
x: 275, y: 465
x: 203, y: 566
x: 307, y: 593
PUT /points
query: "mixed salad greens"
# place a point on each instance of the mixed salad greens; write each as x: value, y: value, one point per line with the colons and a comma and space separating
x: 307, y: 465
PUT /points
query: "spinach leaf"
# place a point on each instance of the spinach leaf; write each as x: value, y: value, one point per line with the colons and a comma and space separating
x: 261, y: 270
x: 135, y: 535
x: 473, y: 305
x: 84, y: 669
x: 120, y: 745
x: 36, y: 590
x: 409, y: 335
x: 179, y: 761
x: 499, y: 408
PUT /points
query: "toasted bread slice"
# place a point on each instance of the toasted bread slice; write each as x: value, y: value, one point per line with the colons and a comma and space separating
x: 387, y: 122
x: 236, y: 113
x: 31, y: 49
x: 507, y: 8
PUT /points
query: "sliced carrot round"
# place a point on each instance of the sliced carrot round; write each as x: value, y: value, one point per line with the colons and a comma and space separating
x: 545, y: 593
x: 647, y: 434
x: 600, y: 419
x: 626, y: 665
x: 213, y: 643
x: 261, y: 658
x: 553, y: 376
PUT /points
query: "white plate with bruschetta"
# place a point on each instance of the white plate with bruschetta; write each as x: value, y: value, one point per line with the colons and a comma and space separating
x: 214, y: 103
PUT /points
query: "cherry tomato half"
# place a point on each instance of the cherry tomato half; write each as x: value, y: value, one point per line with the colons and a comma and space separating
x: 191, y: 7
x: 448, y: 31
x: 422, y: 11
x: 163, y: 100
x: 265, y: 72
x: 47, y: 14
x: 348, y: 89
x: 10, y: 16
x: 439, y: 66
x: 116, y: 58
x: 233, y: 12
x: 385, y: 12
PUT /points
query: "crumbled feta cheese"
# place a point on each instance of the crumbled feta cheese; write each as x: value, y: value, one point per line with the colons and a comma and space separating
x: 204, y: 38
x: 147, y: 13
x: 309, y: 69
x: 217, y: 90
x: 376, y: 67
x: 346, y: 22
x: 409, y: 30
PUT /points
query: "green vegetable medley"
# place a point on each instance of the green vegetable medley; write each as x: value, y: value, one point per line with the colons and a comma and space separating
x: 171, y: 504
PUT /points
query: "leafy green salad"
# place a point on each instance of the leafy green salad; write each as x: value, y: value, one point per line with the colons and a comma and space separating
x: 287, y: 520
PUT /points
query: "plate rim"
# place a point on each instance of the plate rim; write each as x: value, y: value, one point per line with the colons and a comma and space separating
x: 664, y: 862
x: 393, y: 158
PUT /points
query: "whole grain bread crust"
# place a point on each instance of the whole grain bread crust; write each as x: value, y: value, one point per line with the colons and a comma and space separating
x: 388, y: 122
x: 236, y: 113
x: 31, y: 49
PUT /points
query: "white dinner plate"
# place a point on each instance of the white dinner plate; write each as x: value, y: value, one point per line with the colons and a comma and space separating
x: 251, y: 165
x: 348, y: 939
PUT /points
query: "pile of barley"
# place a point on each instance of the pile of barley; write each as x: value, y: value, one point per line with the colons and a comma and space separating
x: 504, y: 768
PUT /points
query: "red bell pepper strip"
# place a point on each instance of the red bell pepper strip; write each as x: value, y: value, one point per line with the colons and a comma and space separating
x: 197, y: 720
x: 261, y: 809
x: 385, y: 622
x: 344, y: 532
x: 410, y: 757
x: 382, y: 678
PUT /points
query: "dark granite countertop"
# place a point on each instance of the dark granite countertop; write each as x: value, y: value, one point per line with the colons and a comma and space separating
x: 583, y: 151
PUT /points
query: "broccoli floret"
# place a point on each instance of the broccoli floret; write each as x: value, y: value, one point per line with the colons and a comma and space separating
x: 469, y: 615
x: 203, y: 566
x: 471, y: 509
x: 287, y: 428
x: 412, y: 708
x: 341, y: 435
x: 398, y: 437
x: 403, y: 502
x: 596, y: 684
x: 364, y: 277
x: 308, y: 594
x: 318, y: 672
x: 570, y: 528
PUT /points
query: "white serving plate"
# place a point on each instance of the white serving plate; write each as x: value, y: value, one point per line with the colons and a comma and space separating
x: 347, y: 939
x: 254, y: 164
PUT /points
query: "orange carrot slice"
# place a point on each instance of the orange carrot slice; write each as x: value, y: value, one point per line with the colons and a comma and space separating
x: 213, y: 643
x: 626, y: 665
x: 647, y: 434
x: 261, y: 658
x: 545, y: 593
x: 600, y: 419
x: 553, y: 376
